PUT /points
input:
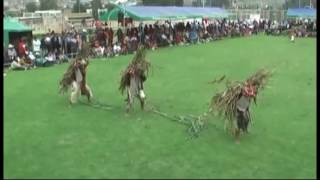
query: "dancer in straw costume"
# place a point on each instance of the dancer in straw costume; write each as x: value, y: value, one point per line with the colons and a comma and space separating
x: 133, y: 77
x: 234, y: 102
x: 75, y: 77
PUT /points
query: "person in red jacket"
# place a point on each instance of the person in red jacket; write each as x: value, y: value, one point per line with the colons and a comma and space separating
x: 22, y: 48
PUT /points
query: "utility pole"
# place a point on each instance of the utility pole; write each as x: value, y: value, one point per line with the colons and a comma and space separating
x: 62, y: 17
x: 299, y: 3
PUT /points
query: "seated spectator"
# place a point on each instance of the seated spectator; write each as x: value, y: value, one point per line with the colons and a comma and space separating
x: 193, y: 36
x: 51, y: 57
x: 62, y: 58
x: 179, y: 38
x: 12, y: 53
x: 133, y: 44
x: 164, y: 40
x: 31, y: 57
x: 147, y: 41
x: 109, y: 51
x: 116, y: 49
x: 19, y: 64
x: 99, y: 50
x: 124, y: 45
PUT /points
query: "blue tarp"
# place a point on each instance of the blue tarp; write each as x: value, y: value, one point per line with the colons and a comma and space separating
x: 301, y: 12
x: 172, y: 12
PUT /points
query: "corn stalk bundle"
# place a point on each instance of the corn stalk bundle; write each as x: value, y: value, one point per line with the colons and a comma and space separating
x: 224, y: 103
x: 139, y: 65
x: 67, y: 78
x: 84, y: 52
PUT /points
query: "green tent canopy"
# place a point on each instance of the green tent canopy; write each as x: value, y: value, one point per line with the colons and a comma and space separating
x: 11, y: 25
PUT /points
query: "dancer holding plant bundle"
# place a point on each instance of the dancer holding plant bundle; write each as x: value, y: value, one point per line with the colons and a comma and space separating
x: 234, y: 102
x: 75, y: 77
x: 133, y: 77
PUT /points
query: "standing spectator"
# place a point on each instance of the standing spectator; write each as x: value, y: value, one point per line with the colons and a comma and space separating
x: 116, y: 49
x: 120, y: 35
x: 84, y: 35
x: 110, y: 36
x: 22, y: 48
x: 12, y: 53
x: 106, y: 37
x: 79, y: 41
x: 36, y: 45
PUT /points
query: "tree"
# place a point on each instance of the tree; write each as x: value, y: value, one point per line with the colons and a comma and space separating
x: 220, y: 3
x: 31, y: 7
x: 178, y: 3
x: 163, y: 3
x: 48, y: 4
x: 95, y: 4
x: 79, y: 7
x: 109, y: 6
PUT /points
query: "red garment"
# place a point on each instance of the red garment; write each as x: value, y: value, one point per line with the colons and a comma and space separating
x: 178, y: 38
x: 21, y: 49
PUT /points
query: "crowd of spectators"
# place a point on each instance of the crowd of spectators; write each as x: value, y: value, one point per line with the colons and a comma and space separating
x: 106, y: 42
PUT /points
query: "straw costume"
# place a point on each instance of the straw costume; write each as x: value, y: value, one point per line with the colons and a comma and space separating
x: 75, y: 77
x: 234, y: 102
x: 133, y: 77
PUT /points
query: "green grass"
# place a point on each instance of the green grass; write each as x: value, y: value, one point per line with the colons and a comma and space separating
x: 46, y: 138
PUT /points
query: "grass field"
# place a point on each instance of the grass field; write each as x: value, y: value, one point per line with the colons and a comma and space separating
x: 46, y: 138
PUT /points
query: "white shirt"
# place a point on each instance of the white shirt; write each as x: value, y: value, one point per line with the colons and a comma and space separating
x: 47, y: 39
x: 36, y: 45
x: 12, y: 52
x: 116, y: 48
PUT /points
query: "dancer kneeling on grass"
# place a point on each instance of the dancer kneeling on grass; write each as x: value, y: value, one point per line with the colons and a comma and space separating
x: 133, y: 78
x: 75, y: 77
